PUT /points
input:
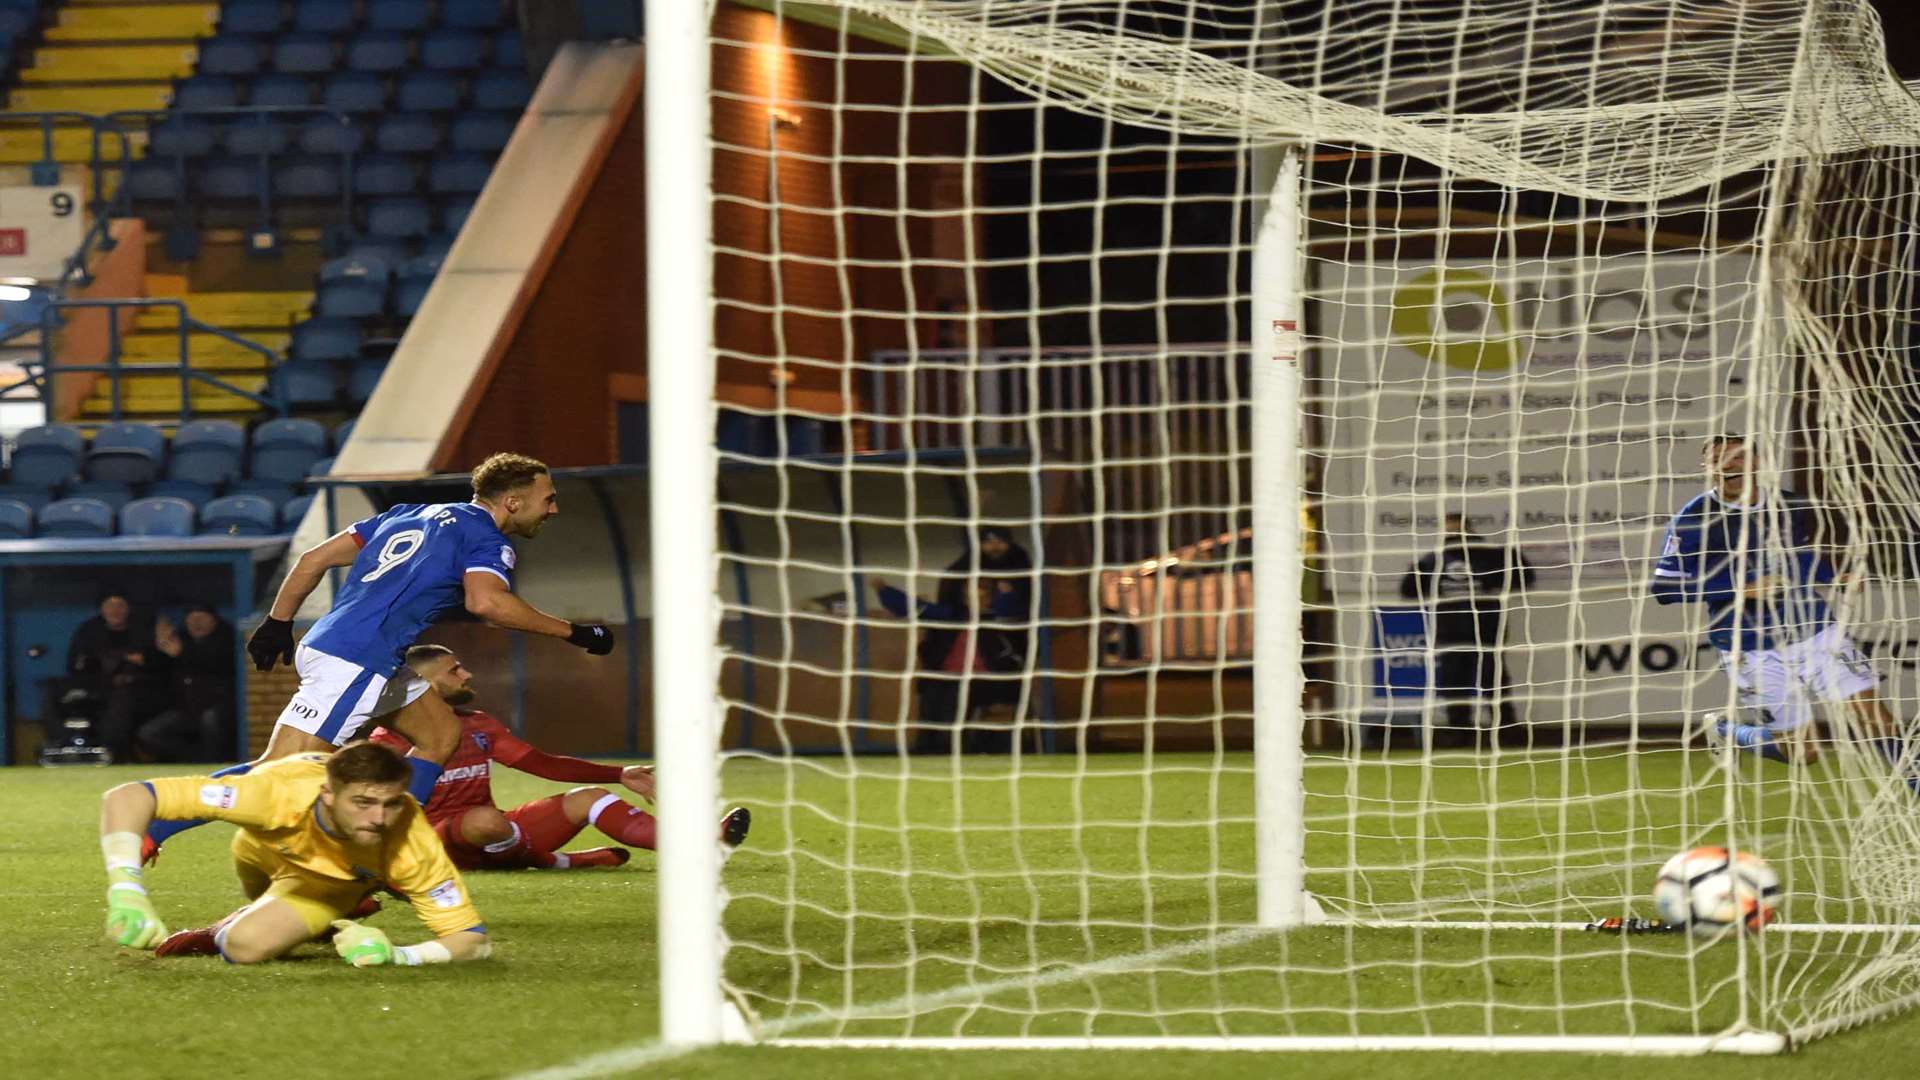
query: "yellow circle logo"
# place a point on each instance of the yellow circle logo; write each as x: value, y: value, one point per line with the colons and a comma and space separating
x: 1420, y: 321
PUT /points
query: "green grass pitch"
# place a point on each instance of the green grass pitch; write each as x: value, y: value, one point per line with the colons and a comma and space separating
x: 908, y: 884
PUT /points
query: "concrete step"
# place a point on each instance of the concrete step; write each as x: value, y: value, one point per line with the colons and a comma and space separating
x: 93, y: 63
x: 102, y: 98
x: 133, y: 22
x: 227, y: 310
x: 203, y: 350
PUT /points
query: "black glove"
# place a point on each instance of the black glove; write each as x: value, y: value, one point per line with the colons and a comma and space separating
x: 272, y: 641
x: 593, y: 637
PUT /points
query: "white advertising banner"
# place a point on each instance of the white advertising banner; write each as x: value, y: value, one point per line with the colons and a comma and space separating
x: 40, y: 229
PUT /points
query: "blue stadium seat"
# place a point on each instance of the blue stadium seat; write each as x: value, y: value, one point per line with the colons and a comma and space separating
x: 353, y: 287
x: 46, y: 456
x: 411, y: 284
x: 227, y: 178
x: 207, y: 452
x: 274, y: 491
x: 355, y: 92
x: 508, y: 50
x: 206, y: 92
x: 381, y: 50
x: 408, y: 133
x: 75, y: 519
x: 159, y: 515
x: 459, y: 174
x: 325, y: 339
x: 305, y: 385
x: 155, y: 181
x: 16, y: 519
x: 112, y: 493
x: 32, y: 495
x: 437, y: 246
x: 285, y: 447
x: 307, y: 177
x: 501, y: 89
x: 225, y: 55
x: 378, y: 174
x: 391, y: 252
x: 322, y: 467
x: 363, y: 377
x: 197, y: 494
x: 453, y: 50
x: 454, y: 214
x: 239, y: 515
x: 182, y: 136
x: 126, y: 453
x: 323, y: 16
x: 292, y: 511
x: 252, y: 17
x: 303, y: 54
x: 481, y: 132
x: 340, y: 436
x: 329, y: 135
x: 399, y: 14
x: 256, y: 136
x: 286, y: 91
x: 428, y: 91
x: 479, y: 14
x: 400, y: 218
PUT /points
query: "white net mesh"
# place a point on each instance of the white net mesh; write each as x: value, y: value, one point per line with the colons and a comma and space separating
x: 984, y: 298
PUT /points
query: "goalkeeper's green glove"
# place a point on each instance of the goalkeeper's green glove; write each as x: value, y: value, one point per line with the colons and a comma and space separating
x: 131, y: 920
x: 361, y: 946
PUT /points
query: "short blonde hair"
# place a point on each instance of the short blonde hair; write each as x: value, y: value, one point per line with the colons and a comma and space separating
x: 502, y: 473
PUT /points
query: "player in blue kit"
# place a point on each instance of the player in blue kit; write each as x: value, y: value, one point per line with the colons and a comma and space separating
x: 408, y: 567
x: 1750, y: 558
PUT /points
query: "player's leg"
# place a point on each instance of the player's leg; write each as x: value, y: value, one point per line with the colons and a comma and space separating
x: 546, y: 824
x: 1772, y: 703
x: 429, y: 724
x: 291, y: 912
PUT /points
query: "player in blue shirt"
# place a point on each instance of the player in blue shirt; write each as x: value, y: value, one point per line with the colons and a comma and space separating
x: 1750, y: 558
x: 408, y: 567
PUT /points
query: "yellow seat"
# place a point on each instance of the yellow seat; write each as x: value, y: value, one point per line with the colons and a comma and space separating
x: 22, y: 145
x: 90, y: 99
x: 109, y: 63
x: 146, y: 22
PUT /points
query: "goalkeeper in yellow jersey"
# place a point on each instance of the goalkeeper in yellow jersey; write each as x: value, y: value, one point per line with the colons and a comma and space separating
x: 318, y: 834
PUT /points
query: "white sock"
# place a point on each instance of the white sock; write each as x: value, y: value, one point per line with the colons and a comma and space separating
x: 560, y: 860
x: 505, y: 845
x: 593, y: 815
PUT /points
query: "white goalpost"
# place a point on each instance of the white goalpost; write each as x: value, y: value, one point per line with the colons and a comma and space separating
x: 1061, y: 413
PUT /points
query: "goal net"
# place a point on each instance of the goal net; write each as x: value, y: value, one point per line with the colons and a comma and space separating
x: 1088, y: 391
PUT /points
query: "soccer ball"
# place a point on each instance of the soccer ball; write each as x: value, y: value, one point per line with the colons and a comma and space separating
x: 1710, y: 892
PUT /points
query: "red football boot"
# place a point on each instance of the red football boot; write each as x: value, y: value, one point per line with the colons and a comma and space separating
x: 198, y: 942
x: 594, y: 857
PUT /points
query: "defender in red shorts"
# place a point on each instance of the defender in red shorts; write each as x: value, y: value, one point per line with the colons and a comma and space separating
x: 478, y: 835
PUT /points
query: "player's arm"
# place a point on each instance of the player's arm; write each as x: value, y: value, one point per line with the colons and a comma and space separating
x: 273, y: 639
x: 125, y: 814
x: 1681, y: 574
x: 422, y: 873
x: 517, y: 753
x: 489, y: 599
x: 368, y: 946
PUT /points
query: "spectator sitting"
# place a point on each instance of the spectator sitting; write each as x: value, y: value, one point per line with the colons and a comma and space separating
x: 111, y: 662
x: 197, y: 724
x: 961, y: 670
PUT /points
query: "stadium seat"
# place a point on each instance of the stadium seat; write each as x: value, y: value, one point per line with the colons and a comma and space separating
x: 160, y: 515
x: 182, y: 136
x: 230, y: 56
x: 281, y: 91
x: 292, y: 511
x: 274, y: 491
x: 285, y: 447
x: 381, y: 174
x: 252, y: 17
x: 412, y: 282
x: 459, y: 174
x: 305, y: 385
x: 340, y: 436
x: 407, y: 133
x: 481, y: 132
x: 453, y: 215
x: 74, y: 519
x: 16, y: 519
x: 229, y: 178
x: 399, y: 14
x: 322, y: 467
x: 206, y: 92
x: 508, y: 50
x: 329, y: 135
x: 325, y: 339
x: 391, y: 252
x: 353, y: 287
x: 399, y: 218
x: 307, y: 177
x: 381, y: 50
x: 197, y: 494
x: 303, y: 54
x: 239, y: 515
x: 207, y: 452
x: 111, y: 492
x: 323, y: 16
x: 501, y: 89
x: 453, y: 50
x: 476, y: 14
x: 355, y: 92
x: 33, y: 496
x: 363, y: 377
x: 428, y: 91
x: 46, y: 456
x: 255, y: 136
x: 155, y: 181
x: 126, y: 453
x: 437, y: 246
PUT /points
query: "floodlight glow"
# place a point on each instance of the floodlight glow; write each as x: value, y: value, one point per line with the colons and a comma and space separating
x: 15, y: 293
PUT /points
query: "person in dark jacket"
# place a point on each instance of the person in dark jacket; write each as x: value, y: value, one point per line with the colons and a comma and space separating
x: 197, y: 724
x: 1466, y: 584
x: 112, y: 661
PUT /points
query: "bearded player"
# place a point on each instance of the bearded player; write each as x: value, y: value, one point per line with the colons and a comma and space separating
x: 478, y: 835
x: 408, y: 567
x: 318, y: 834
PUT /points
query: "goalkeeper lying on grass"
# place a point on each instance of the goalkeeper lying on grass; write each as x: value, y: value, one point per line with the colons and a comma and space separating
x: 319, y: 833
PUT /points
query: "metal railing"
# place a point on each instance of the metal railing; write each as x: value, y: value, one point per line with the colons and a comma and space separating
x: 110, y: 147
x: 1194, y: 603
